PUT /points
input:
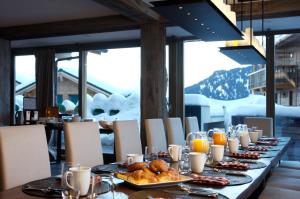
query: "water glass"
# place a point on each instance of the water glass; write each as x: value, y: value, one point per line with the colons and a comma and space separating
x: 151, y: 153
x: 184, y: 162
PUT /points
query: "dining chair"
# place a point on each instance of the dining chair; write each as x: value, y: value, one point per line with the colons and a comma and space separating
x: 290, y: 164
x: 277, y: 192
x: 263, y: 123
x: 175, y: 131
x: 191, y: 125
x: 83, y: 144
x: 156, y: 135
x: 127, y: 138
x: 23, y: 155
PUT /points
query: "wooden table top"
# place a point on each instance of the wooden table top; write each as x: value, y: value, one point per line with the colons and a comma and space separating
x: 240, y: 191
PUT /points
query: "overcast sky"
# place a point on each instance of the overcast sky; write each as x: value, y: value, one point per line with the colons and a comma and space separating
x: 121, y: 67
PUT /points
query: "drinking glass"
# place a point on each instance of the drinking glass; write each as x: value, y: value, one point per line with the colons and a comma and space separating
x: 67, y: 191
x: 184, y: 162
x: 151, y: 153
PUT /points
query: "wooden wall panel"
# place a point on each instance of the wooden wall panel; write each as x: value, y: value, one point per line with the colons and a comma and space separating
x: 5, y: 82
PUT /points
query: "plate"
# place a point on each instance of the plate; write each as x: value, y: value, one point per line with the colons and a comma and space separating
x: 159, y: 193
x: 159, y: 184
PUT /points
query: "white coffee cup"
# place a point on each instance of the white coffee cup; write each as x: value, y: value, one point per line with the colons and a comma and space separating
x: 197, y: 161
x: 133, y: 158
x: 244, y: 139
x: 175, y: 152
x: 253, y: 136
x: 79, y: 176
x: 260, y: 133
x: 217, y: 152
x: 233, y: 144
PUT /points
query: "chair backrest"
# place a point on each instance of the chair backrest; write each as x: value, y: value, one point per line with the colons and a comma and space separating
x: 175, y: 131
x: 23, y: 155
x: 82, y: 142
x: 156, y: 135
x: 191, y: 125
x: 263, y: 123
x: 127, y: 138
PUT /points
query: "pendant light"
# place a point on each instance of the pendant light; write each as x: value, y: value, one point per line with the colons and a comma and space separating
x: 208, y: 20
x: 248, y: 50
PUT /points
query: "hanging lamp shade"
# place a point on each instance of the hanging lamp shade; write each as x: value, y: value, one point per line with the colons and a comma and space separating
x: 246, y: 51
x: 209, y: 20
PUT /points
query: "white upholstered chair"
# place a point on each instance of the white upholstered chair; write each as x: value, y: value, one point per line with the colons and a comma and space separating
x: 191, y: 125
x: 127, y: 138
x: 156, y: 135
x: 23, y: 155
x: 175, y: 131
x: 82, y: 142
x: 263, y: 123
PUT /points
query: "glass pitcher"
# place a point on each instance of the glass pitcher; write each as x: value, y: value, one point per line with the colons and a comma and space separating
x: 218, y: 136
x: 198, y: 142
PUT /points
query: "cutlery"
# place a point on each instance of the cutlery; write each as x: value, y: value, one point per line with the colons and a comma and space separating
x: 193, y: 192
x: 44, y: 190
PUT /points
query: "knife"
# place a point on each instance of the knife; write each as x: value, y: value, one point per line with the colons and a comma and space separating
x: 193, y: 192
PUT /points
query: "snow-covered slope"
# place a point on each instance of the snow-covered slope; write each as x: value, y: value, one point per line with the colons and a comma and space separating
x: 223, y: 85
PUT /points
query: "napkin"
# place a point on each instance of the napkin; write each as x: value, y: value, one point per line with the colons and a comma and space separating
x: 247, y: 155
x: 268, y: 139
x: 163, y: 154
x: 233, y: 165
x: 257, y: 148
x: 269, y: 143
x: 210, y: 180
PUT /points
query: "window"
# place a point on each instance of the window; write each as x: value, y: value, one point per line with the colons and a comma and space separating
x: 25, y: 83
x: 226, y: 91
x: 113, y: 84
x: 67, y: 82
x: 287, y: 87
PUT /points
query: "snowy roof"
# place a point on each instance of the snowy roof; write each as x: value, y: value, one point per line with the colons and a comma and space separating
x: 92, y: 82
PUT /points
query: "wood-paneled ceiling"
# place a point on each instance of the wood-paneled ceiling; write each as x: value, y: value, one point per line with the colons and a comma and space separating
x: 42, y: 21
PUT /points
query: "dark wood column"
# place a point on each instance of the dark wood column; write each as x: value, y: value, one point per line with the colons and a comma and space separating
x: 82, y: 83
x: 45, y: 79
x: 176, y: 79
x: 270, y: 88
x: 153, y: 74
x: 6, y: 99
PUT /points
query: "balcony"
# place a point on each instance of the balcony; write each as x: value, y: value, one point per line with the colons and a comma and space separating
x: 286, y: 77
x: 257, y: 79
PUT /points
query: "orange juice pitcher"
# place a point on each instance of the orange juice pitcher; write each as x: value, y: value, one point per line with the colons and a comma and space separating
x: 219, y: 137
x: 198, y: 142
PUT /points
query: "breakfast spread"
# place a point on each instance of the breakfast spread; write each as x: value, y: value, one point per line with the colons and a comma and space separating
x: 247, y: 155
x: 210, y: 180
x: 156, y: 171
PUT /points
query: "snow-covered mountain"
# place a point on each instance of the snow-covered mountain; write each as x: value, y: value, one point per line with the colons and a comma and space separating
x: 223, y: 85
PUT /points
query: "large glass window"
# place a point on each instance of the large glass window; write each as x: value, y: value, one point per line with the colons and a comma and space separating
x: 113, y: 84
x: 25, y: 83
x: 113, y: 87
x: 287, y: 90
x: 219, y: 90
x: 67, y: 82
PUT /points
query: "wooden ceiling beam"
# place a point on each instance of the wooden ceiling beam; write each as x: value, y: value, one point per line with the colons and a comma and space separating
x: 71, y: 27
x: 136, y: 10
x: 272, y: 9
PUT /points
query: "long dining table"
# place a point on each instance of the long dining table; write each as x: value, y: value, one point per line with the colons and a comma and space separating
x: 239, y: 191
